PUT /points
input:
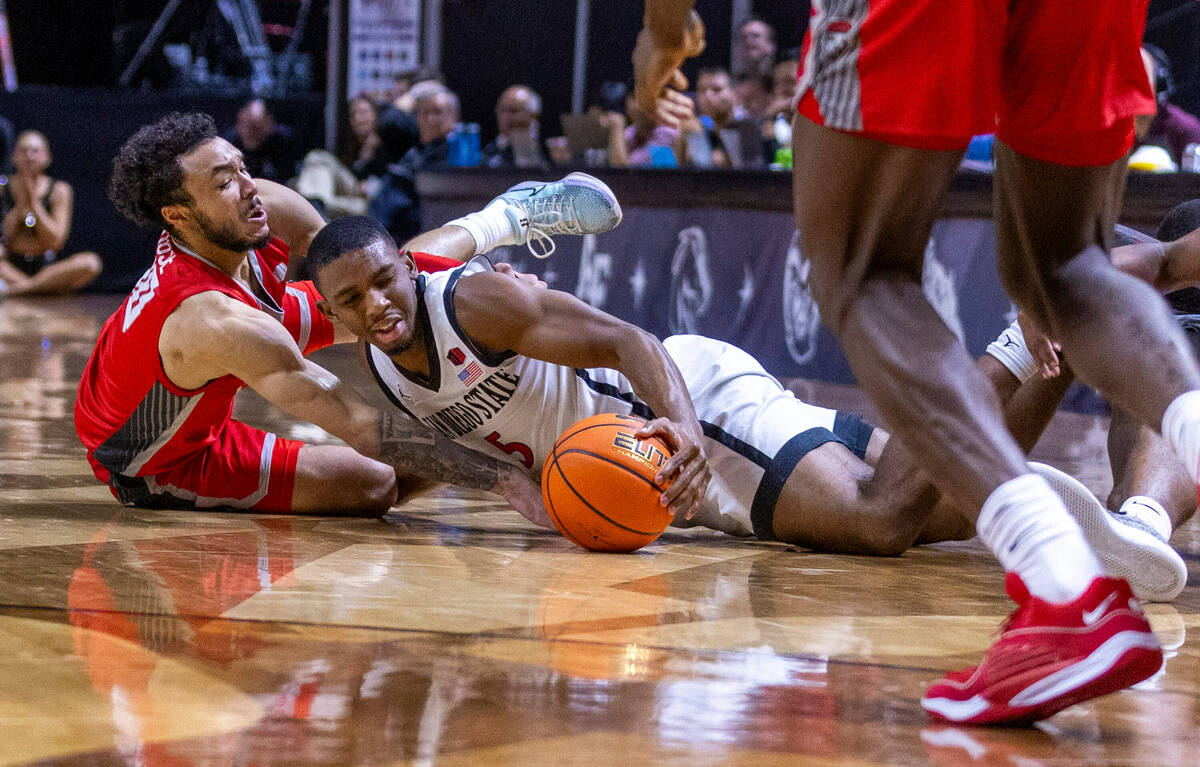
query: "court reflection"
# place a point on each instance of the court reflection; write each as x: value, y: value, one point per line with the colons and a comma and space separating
x: 455, y: 633
x: 44, y: 344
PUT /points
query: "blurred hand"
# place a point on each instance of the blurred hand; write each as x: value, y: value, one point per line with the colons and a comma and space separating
x: 613, y: 121
x: 658, y: 81
x: 1043, y: 350
x: 687, y: 469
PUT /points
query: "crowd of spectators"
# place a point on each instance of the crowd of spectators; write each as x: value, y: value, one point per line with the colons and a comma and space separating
x: 743, y: 120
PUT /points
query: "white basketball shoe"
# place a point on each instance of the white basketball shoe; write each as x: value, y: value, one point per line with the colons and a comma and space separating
x: 577, y: 204
x: 1128, y: 548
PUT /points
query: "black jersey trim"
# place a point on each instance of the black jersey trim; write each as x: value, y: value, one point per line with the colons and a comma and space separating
x: 434, y: 381
x: 387, y: 390
x: 491, y: 359
x: 637, y: 407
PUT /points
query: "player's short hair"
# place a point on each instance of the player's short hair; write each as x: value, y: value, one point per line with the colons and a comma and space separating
x: 713, y: 72
x: 146, y: 172
x: 1183, y: 219
x: 339, y: 237
x: 533, y: 102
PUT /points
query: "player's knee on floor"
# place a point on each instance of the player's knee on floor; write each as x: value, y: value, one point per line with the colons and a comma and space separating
x: 379, y: 490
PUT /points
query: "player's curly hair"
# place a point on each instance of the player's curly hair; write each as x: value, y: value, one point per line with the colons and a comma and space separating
x: 146, y: 171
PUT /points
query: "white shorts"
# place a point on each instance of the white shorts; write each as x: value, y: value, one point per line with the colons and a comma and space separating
x: 756, y: 430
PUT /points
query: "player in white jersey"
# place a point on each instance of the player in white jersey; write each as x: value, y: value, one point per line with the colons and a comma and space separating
x: 505, y: 367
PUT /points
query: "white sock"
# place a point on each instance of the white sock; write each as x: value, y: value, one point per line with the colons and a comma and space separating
x: 1148, y: 511
x: 1181, y: 430
x: 490, y: 227
x: 1013, y: 354
x: 1027, y: 527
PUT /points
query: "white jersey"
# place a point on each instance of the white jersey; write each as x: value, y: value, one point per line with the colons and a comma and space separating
x: 513, y: 407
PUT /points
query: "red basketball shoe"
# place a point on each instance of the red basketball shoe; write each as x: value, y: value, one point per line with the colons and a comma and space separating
x: 1051, y: 656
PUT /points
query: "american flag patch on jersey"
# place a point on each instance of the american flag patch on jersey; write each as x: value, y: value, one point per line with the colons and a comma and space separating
x: 456, y: 356
x: 470, y: 374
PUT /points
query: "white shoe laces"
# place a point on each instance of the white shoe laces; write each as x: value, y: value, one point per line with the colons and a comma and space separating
x: 544, y: 242
x: 540, y: 242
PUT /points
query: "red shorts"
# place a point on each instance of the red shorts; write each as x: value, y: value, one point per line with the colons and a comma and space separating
x: 1057, y: 80
x: 245, y: 468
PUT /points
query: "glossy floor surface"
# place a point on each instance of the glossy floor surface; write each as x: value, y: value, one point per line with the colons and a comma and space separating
x: 454, y: 633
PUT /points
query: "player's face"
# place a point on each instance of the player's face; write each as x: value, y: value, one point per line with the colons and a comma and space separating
x: 512, y: 111
x: 32, y: 154
x: 372, y: 291
x: 224, y: 208
x: 714, y: 95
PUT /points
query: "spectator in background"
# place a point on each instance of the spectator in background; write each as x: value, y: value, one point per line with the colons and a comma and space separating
x: 37, y: 212
x: 639, y: 141
x: 396, y: 205
x: 412, y: 85
x: 753, y: 96
x: 518, y: 140
x: 777, y: 122
x: 724, y: 134
x: 1172, y: 128
x: 270, y: 149
x: 754, y: 51
x: 783, y: 86
x: 332, y: 182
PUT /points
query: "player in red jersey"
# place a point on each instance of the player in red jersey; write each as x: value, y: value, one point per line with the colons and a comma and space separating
x: 890, y: 93
x: 213, y: 314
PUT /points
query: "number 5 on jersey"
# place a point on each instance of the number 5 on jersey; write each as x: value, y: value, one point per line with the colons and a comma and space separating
x: 520, y: 448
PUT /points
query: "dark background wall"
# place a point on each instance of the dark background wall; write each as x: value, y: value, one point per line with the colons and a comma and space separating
x: 86, y: 127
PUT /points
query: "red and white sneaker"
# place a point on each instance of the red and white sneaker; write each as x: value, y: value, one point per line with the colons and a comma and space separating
x: 1051, y: 656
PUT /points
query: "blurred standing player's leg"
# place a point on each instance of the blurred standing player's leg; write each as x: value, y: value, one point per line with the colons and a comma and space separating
x: 875, y: 149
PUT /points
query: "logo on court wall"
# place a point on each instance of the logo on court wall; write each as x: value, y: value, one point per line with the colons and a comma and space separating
x: 938, y: 285
x: 595, y: 269
x: 691, y: 283
x: 801, y: 317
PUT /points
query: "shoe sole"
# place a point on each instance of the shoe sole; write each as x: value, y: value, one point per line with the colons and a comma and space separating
x: 1155, y: 571
x: 1137, y: 657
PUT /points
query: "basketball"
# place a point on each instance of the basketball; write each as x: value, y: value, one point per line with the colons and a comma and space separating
x: 598, y: 484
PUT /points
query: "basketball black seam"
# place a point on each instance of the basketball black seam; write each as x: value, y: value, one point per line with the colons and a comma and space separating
x: 550, y: 503
x: 599, y: 513
x: 562, y: 527
x: 568, y: 435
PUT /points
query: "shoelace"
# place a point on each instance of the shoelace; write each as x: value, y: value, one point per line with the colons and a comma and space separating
x: 549, y: 216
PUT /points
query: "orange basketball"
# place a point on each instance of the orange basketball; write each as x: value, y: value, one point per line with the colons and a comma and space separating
x: 598, y: 484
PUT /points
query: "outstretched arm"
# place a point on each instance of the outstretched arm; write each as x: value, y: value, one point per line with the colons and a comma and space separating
x: 671, y: 32
x: 1165, y: 265
x: 211, y: 335
x: 501, y: 313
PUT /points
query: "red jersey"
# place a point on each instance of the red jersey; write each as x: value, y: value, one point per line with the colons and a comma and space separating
x: 133, y: 421
x: 130, y: 417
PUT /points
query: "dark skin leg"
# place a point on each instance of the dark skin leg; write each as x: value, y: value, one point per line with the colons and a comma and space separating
x: 865, y: 210
x: 1144, y: 464
x: 1053, y: 225
x: 836, y: 503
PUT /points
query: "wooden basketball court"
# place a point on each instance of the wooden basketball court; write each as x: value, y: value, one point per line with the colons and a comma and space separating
x: 452, y: 632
